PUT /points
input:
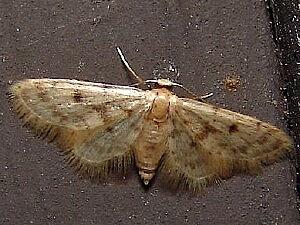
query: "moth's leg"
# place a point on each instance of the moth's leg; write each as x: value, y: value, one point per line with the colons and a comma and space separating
x: 139, y: 79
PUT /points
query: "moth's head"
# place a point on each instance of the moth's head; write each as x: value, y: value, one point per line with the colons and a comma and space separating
x: 166, y: 83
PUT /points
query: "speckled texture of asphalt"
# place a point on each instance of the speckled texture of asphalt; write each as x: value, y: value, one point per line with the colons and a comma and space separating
x: 196, y: 43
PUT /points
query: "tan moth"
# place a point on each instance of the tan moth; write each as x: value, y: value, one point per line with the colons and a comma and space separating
x: 105, y: 128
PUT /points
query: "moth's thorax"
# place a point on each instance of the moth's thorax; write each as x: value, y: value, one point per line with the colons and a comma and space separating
x: 160, y: 107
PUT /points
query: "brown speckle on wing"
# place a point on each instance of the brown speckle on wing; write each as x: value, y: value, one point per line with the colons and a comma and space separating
x: 217, y: 144
x: 90, y: 123
x: 233, y: 128
x: 77, y: 95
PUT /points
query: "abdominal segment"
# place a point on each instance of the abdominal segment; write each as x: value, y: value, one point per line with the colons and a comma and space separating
x: 150, y: 146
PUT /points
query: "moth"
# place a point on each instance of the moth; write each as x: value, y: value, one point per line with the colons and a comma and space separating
x: 104, y: 129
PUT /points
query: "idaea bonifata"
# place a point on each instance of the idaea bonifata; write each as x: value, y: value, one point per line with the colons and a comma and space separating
x: 104, y: 129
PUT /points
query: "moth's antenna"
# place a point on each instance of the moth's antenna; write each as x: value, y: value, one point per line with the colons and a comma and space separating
x: 207, y: 96
x: 162, y: 82
x: 140, y: 80
x: 196, y: 97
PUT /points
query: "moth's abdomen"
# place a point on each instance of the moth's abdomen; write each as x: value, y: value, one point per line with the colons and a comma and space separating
x: 151, y: 143
x: 149, y: 148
